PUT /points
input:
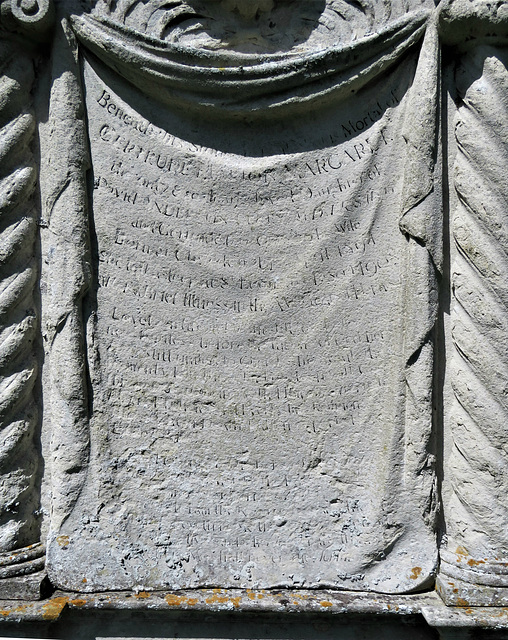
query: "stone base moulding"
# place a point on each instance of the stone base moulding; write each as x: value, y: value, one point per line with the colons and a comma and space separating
x: 22, y: 575
x: 214, y: 613
x: 466, y: 581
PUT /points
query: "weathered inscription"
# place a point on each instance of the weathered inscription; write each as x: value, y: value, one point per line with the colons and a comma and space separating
x: 247, y: 350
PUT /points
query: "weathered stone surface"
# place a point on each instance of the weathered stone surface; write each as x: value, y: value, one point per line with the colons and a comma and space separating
x: 474, y: 558
x: 259, y: 343
x: 21, y: 553
x: 226, y: 252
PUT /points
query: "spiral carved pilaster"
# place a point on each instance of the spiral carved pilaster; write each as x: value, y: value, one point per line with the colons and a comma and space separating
x: 477, y: 550
x: 20, y: 551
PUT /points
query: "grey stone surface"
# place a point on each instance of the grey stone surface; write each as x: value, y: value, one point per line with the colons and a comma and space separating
x: 252, y: 316
x: 258, y: 344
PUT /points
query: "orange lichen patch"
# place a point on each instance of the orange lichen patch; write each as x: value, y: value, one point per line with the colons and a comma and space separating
x: 142, y: 595
x: 220, y: 599
x: 461, y: 551
x: 250, y: 595
x: 325, y: 603
x: 475, y: 563
x: 174, y: 601
x: 52, y: 609
x: 63, y: 541
x: 4, y: 612
x: 415, y: 572
x: 84, y: 580
x: 462, y: 603
x: 78, y: 602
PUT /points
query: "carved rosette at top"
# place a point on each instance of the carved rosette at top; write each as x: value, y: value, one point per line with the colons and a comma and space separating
x: 21, y: 553
x: 474, y: 567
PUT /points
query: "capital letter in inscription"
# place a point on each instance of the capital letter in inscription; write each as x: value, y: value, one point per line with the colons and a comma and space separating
x: 104, y: 99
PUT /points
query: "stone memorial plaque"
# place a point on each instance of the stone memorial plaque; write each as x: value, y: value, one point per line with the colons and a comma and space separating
x: 253, y: 319
x: 253, y: 312
x: 248, y: 352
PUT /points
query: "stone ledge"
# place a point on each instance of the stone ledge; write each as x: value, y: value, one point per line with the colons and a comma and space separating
x: 281, y: 601
x: 223, y: 600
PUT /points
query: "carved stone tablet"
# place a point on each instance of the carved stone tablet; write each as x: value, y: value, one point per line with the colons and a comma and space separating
x: 259, y: 345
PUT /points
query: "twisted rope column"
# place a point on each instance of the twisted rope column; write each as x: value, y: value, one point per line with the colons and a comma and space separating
x: 19, y: 455
x: 474, y: 567
x: 22, y: 555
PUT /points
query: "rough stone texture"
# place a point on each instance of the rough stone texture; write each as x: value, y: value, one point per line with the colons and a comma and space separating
x: 474, y: 560
x: 239, y: 284
x: 21, y: 553
x: 259, y: 341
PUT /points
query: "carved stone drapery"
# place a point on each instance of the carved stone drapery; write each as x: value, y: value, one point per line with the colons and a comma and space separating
x: 238, y: 84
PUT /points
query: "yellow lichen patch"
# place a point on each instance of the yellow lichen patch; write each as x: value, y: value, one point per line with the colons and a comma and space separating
x: 174, y: 601
x: 325, y: 603
x: 78, y: 602
x: 63, y: 541
x: 250, y: 595
x: 142, y: 595
x: 4, y: 612
x: 415, y: 572
x: 475, y: 563
x: 52, y: 609
x: 220, y: 599
x: 461, y: 551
